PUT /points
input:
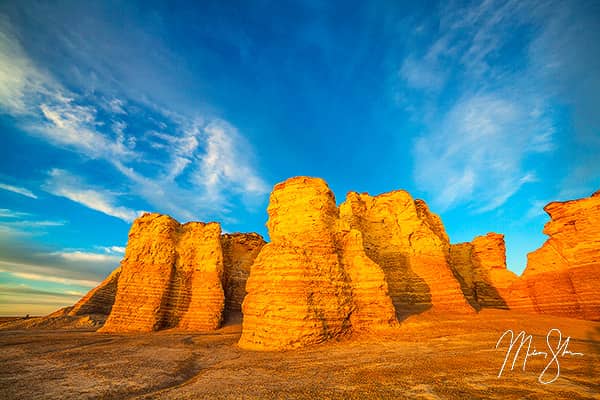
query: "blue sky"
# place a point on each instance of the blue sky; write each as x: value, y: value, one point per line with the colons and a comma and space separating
x: 486, y: 110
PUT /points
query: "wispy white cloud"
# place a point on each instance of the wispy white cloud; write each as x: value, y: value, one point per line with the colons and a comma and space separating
x: 14, y: 268
x: 225, y: 166
x: 47, y: 108
x: 117, y: 106
x: 18, y: 76
x: 15, y: 223
x: 113, y: 249
x: 22, y: 257
x: 566, y: 56
x: 495, y: 117
x: 78, y: 256
x: 18, y: 190
x: 422, y: 74
x: 73, y: 126
x: 22, y: 289
x: 62, y: 183
x: 198, y: 164
x: 36, y: 224
x: 475, y: 155
x: 205, y: 163
x: 7, y: 213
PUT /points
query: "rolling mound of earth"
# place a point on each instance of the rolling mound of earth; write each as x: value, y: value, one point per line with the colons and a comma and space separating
x: 427, y: 357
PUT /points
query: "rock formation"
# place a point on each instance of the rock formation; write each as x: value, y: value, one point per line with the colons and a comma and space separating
x: 298, y: 292
x: 196, y: 294
x: 329, y: 271
x: 170, y: 277
x: 410, y: 244
x: 372, y: 306
x: 481, y: 268
x: 100, y: 299
x: 239, y: 252
x: 563, y: 276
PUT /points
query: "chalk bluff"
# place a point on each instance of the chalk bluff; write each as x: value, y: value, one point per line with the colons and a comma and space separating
x: 411, y: 246
x: 480, y: 266
x: 312, y: 282
x: 563, y: 276
x: 331, y: 271
x: 176, y: 276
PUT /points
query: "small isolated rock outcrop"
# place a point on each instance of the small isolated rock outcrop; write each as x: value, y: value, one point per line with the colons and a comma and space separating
x: 480, y: 266
x: 100, y: 299
x: 410, y: 245
x: 170, y: 277
x: 563, y: 276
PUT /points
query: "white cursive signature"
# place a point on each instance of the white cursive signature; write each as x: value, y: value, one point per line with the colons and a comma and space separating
x: 560, y: 350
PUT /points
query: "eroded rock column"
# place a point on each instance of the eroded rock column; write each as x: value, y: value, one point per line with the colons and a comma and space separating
x: 410, y: 244
x: 170, y: 277
x: 298, y: 293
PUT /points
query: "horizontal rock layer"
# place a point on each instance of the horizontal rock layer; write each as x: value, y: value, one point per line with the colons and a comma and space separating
x: 100, y: 299
x: 239, y: 252
x: 298, y: 293
x: 563, y: 275
x: 411, y: 246
x: 170, y: 277
x: 330, y: 271
x: 372, y: 307
x: 481, y: 268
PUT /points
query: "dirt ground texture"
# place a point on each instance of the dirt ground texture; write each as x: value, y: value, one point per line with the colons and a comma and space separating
x: 428, y: 357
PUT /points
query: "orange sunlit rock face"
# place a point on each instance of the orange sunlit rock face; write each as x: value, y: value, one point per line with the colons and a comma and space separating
x: 174, y: 276
x: 480, y: 266
x: 563, y: 276
x: 298, y: 291
x: 410, y: 244
x: 170, y: 277
x: 372, y: 307
x: 331, y: 271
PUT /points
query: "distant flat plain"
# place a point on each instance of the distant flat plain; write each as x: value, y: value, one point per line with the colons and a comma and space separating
x: 428, y: 357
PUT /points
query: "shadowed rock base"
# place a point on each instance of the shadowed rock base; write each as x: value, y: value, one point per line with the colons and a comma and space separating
x: 410, y: 244
x: 481, y: 269
x: 239, y: 252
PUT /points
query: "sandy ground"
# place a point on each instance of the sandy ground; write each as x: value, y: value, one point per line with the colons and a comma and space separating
x: 429, y: 357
